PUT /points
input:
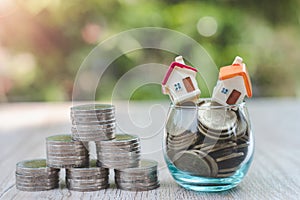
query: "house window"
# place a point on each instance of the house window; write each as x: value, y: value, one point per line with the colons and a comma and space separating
x: 188, y: 84
x: 224, y: 90
x: 177, y: 86
x: 233, y: 97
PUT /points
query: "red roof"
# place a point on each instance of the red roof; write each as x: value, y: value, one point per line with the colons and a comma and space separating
x: 172, y: 67
x: 230, y: 71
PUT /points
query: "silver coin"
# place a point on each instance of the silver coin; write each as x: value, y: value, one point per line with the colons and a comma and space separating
x: 91, y: 113
x: 103, y: 133
x: 35, y: 176
x: 92, y: 168
x: 181, y: 146
x: 144, y: 165
x: 123, y: 159
x: 121, y: 139
x: 88, y: 171
x: 187, y: 135
x: 119, y: 149
x: 133, y: 178
x: 96, y: 127
x: 218, y: 147
x: 72, y: 165
x: 46, y: 182
x: 231, y: 156
x: 66, y: 154
x: 228, y: 170
x: 212, y: 163
x: 215, y: 135
x: 85, y: 139
x: 37, y: 182
x: 88, y: 118
x: 217, y: 119
x: 87, y: 181
x: 120, y: 154
x: 137, y: 176
x: 182, y: 119
x: 97, y: 137
x: 88, y: 189
x: 34, y: 167
x: 67, y: 158
x: 202, y: 145
x: 225, y: 175
x: 115, y: 147
x: 241, y: 128
x: 138, y: 188
x: 74, y: 144
x: 119, y: 165
x: 94, y: 122
x: 137, y: 184
x: 36, y: 188
x: 92, y: 107
x: 83, y: 175
x: 197, y: 164
x: 60, y: 139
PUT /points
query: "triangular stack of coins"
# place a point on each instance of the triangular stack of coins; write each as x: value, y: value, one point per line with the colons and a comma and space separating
x: 90, y: 123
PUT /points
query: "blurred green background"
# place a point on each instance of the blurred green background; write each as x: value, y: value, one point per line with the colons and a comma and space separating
x: 43, y: 42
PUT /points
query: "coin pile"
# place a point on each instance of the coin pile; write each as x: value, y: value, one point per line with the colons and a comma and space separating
x: 121, y: 152
x: 141, y: 178
x: 87, y: 179
x: 34, y: 175
x: 219, y: 147
x: 64, y: 152
x: 93, y: 122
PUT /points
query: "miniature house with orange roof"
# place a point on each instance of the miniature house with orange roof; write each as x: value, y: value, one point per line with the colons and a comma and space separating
x: 180, y: 82
x: 233, y: 85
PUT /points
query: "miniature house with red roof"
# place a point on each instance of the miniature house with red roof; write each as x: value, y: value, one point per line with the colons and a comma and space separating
x: 233, y: 85
x: 180, y: 82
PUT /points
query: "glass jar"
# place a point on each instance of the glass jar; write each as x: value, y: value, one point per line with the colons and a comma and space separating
x: 208, y: 147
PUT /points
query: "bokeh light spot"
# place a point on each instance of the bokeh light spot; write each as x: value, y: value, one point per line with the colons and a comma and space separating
x: 91, y: 33
x: 207, y: 26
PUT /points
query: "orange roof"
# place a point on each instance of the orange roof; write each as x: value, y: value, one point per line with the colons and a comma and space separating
x: 237, y: 70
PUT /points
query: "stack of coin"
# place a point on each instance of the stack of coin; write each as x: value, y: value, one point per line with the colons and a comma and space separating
x: 64, y: 152
x: 87, y: 179
x: 93, y: 122
x: 141, y: 178
x: 121, y: 152
x: 34, y: 175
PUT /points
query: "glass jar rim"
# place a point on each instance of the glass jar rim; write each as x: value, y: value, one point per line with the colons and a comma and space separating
x: 205, y: 100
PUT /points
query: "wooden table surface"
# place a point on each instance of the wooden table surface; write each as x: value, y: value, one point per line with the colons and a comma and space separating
x: 274, y: 174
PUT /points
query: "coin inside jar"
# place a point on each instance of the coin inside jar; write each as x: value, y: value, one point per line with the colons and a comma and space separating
x: 217, y: 119
x: 199, y: 163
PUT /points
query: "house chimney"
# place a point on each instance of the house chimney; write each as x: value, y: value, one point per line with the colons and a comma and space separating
x: 179, y: 59
x: 237, y: 61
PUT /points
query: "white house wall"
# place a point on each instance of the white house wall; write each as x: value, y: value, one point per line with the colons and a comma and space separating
x: 177, y: 75
x: 236, y: 83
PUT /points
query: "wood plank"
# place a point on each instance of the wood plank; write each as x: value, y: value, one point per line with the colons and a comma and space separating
x: 274, y: 174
